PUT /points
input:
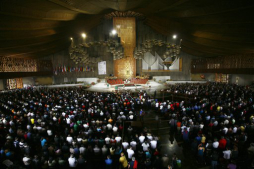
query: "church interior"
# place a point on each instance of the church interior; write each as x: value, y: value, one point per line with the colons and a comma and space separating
x: 153, y: 84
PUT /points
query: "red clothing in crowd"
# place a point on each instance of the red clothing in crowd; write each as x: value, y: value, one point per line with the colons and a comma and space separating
x: 222, y: 143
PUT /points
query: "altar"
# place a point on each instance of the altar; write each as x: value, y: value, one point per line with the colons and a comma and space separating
x: 132, y: 81
x: 129, y: 84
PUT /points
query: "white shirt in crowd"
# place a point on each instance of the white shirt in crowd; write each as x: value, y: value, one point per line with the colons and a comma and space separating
x: 118, y: 139
x: 235, y: 130
x: 107, y: 140
x: 125, y: 145
x: 145, y: 146
x: 68, y: 120
x: 182, y: 128
x: 149, y: 137
x: 215, y: 144
x: 49, y: 132
x: 225, y: 130
x: 72, y: 162
x: 79, y: 139
x: 130, y: 153
x: 201, y: 126
x: 115, y: 129
x: 82, y: 150
x: 109, y: 126
x: 26, y: 160
x: 28, y: 127
x: 153, y: 144
x: 54, y: 118
x: 133, y: 145
x: 226, y: 122
x: 131, y: 117
x: 141, y: 139
x: 69, y: 139
x: 226, y: 154
x: 85, y: 126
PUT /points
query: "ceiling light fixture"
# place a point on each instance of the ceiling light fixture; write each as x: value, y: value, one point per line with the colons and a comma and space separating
x: 174, y: 36
x: 113, y: 32
x: 83, y: 35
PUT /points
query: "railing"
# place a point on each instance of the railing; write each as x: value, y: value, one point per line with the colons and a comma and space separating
x: 177, y: 96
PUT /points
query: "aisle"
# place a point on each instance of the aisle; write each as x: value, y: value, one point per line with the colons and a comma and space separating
x: 161, y: 128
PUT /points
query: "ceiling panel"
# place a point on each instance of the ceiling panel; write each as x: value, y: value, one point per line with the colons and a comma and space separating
x: 208, y: 28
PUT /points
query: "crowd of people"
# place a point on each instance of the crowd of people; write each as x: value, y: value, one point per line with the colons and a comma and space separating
x: 72, y: 127
x: 218, y: 123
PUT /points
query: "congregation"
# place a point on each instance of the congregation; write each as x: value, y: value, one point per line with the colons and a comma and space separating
x: 218, y: 124
x: 71, y: 127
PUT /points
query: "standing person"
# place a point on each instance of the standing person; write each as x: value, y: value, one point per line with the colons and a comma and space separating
x: 133, y: 164
x: 27, y: 161
x: 227, y: 154
x: 214, y: 159
x: 123, y: 161
x: 108, y: 162
x: 130, y: 152
x: 203, y: 139
x: 201, y: 151
x: 72, y: 161
x: 174, y: 162
x: 145, y: 146
x: 185, y: 136
x: 141, y: 114
x: 165, y: 161
x: 222, y: 143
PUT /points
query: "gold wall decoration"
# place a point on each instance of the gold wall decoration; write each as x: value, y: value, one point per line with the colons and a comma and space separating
x: 126, y: 30
x: 15, y: 83
x: 9, y: 64
x: 19, y: 82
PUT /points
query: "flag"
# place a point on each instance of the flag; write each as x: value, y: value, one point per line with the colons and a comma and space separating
x: 55, y: 70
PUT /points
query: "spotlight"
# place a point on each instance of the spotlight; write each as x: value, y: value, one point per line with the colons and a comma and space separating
x: 71, y: 38
x: 83, y: 35
x: 113, y: 32
x: 174, y: 36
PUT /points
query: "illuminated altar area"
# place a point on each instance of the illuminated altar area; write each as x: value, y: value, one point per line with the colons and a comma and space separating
x: 125, y: 68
